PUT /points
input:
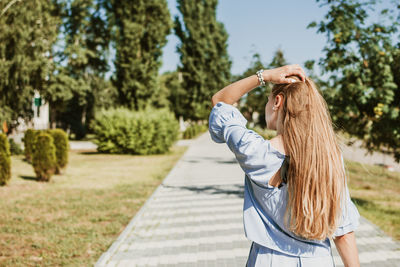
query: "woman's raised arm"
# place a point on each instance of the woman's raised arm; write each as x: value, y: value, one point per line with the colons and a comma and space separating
x: 233, y: 92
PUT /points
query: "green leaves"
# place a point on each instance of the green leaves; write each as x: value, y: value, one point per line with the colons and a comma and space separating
x: 121, y: 131
x: 205, y: 63
x: 139, y: 32
x: 28, y: 32
x: 363, y: 92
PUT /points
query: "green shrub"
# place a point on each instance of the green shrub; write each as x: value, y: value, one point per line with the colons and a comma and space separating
x: 266, y: 133
x: 29, y: 143
x: 146, y: 132
x: 44, y: 156
x: 5, y: 160
x: 15, y: 148
x: 193, y: 130
x: 60, y: 139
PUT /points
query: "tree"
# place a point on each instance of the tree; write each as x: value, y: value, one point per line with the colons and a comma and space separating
x: 205, y: 63
x: 362, y: 60
x: 78, y: 82
x: 28, y: 31
x: 256, y: 99
x: 140, y: 29
x: 171, y: 84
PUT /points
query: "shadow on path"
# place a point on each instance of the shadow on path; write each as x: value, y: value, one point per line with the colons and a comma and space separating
x: 231, y: 190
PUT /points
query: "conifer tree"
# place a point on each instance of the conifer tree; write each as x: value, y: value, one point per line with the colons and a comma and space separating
x: 140, y: 31
x: 205, y: 63
x: 28, y: 30
x: 78, y: 80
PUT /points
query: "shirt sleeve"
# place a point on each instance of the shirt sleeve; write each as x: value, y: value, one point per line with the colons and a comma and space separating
x: 350, y: 216
x: 252, y: 151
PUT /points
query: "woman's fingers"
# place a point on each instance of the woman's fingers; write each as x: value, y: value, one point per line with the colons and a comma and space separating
x: 295, y: 70
x: 279, y: 75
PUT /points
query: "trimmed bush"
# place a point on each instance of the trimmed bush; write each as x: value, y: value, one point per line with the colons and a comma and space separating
x: 193, y: 131
x: 15, y: 148
x: 5, y: 160
x: 122, y: 131
x: 44, y: 157
x: 60, y: 139
x: 29, y: 143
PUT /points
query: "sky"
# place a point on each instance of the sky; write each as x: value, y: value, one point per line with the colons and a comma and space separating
x: 262, y: 26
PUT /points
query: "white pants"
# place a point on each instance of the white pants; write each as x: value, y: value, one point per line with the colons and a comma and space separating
x: 260, y: 256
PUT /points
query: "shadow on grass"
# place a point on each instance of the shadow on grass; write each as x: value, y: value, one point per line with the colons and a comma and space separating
x: 89, y: 152
x: 32, y: 178
x: 362, y: 202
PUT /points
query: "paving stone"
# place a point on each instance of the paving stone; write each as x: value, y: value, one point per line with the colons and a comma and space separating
x: 194, y: 218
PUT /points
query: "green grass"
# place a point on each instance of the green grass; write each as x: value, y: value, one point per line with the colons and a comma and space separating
x: 376, y: 193
x: 74, y: 218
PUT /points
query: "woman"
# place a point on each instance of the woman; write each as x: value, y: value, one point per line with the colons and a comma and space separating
x: 295, y: 196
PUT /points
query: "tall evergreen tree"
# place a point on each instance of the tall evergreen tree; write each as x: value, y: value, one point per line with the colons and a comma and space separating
x: 78, y: 82
x: 362, y: 59
x: 28, y: 31
x: 140, y: 31
x: 205, y: 64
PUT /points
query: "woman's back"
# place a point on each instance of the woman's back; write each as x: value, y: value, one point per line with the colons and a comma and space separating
x: 264, y: 202
x: 296, y: 195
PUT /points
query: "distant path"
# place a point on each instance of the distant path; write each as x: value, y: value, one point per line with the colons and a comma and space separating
x: 194, y: 218
x: 356, y: 153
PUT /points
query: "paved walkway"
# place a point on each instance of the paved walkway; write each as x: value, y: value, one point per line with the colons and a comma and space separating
x: 194, y: 218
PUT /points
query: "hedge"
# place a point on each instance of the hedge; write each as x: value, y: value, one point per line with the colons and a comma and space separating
x: 15, y: 148
x: 44, y: 157
x: 29, y: 143
x: 194, y: 130
x: 60, y: 139
x: 122, y: 131
x: 5, y: 160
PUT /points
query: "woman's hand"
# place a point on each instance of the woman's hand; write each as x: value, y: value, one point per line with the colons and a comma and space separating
x: 232, y: 93
x: 279, y: 75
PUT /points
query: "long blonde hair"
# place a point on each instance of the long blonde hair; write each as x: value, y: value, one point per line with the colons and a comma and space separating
x: 316, y: 177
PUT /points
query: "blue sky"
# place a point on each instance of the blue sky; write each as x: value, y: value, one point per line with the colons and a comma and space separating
x: 262, y: 26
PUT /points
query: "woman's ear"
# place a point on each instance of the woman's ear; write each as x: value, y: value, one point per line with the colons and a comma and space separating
x: 278, y: 101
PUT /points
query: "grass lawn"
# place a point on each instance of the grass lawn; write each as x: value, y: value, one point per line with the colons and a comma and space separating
x: 74, y: 218
x: 376, y: 193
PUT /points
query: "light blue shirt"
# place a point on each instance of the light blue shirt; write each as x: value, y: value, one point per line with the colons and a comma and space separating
x: 265, y: 205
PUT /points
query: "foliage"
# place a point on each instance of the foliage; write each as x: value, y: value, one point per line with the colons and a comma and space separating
x: 362, y: 59
x: 77, y: 86
x: 122, y: 131
x: 15, y: 148
x: 29, y: 143
x: 139, y: 31
x: 205, y: 64
x: 193, y: 131
x: 44, y: 157
x: 60, y: 139
x: 255, y: 101
x: 265, y: 133
x: 171, y: 82
x: 5, y: 160
x: 28, y: 32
